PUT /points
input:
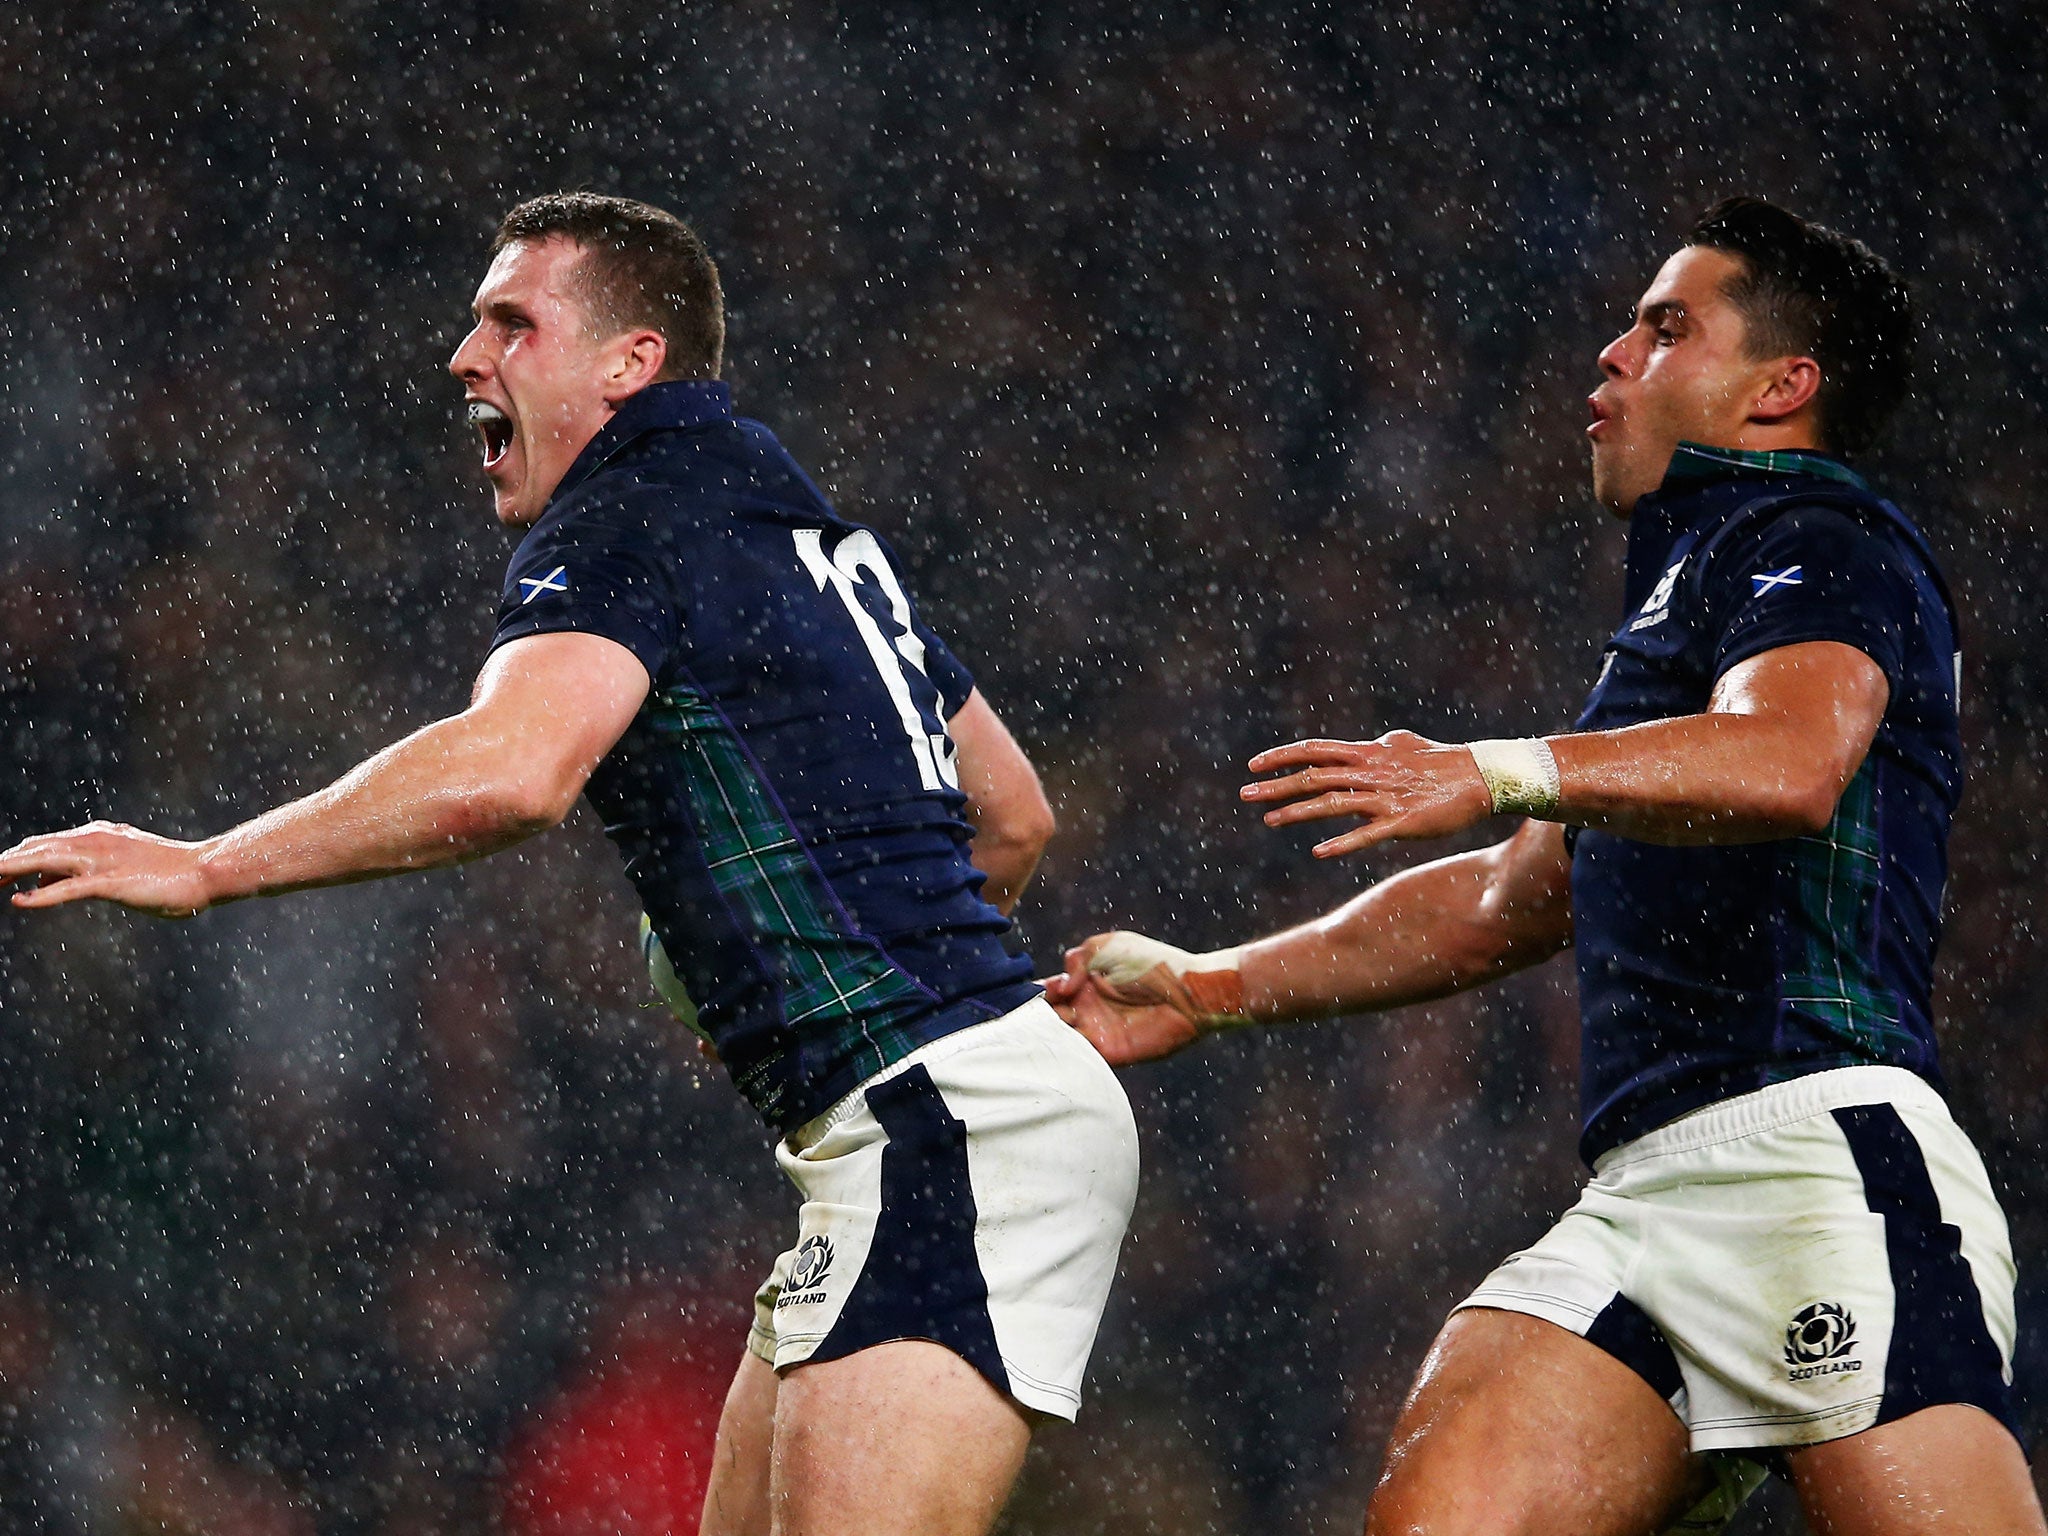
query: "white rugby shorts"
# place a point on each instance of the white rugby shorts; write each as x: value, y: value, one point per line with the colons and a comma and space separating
x: 1791, y: 1266
x: 974, y: 1194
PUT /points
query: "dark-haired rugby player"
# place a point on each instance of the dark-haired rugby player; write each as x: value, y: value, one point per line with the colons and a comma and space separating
x: 1788, y: 1253
x: 784, y: 754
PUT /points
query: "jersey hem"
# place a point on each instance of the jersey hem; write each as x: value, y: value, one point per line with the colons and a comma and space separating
x: 838, y: 1093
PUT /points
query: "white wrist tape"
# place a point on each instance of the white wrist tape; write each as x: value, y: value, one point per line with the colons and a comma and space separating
x: 1520, y: 775
x: 1210, y: 986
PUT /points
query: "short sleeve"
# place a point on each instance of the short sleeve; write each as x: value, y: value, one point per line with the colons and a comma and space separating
x: 600, y: 570
x: 946, y: 671
x: 1812, y: 573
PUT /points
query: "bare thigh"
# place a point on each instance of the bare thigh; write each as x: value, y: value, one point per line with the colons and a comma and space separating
x: 902, y: 1439
x: 1517, y: 1427
x: 1947, y: 1469
x: 736, y: 1503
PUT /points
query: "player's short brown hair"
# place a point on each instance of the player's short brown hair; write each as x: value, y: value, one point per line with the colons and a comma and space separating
x: 1807, y: 291
x: 642, y: 267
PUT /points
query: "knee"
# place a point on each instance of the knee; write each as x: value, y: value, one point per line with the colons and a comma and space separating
x: 1405, y: 1504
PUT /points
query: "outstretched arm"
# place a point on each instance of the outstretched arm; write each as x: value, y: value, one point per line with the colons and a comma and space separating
x: 1005, y: 803
x: 1779, y: 741
x: 1426, y: 933
x: 546, y: 708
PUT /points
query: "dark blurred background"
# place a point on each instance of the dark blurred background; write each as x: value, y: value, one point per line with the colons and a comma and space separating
x: 1217, y: 370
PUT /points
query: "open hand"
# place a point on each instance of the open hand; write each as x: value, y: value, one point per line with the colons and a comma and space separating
x: 1401, y: 786
x: 109, y: 862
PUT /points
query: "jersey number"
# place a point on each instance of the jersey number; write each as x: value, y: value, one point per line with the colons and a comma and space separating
x: 857, y: 557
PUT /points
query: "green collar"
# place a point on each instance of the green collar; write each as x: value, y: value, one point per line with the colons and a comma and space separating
x: 1696, y: 461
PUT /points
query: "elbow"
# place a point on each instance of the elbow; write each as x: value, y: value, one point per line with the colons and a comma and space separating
x: 520, y: 808
x: 1038, y: 827
x: 1026, y: 832
x: 1811, y: 813
x: 1803, y: 810
x: 1019, y: 827
x: 545, y: 799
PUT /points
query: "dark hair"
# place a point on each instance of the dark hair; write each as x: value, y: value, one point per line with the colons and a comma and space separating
x: 1808, y: 291
x: 641, y: 267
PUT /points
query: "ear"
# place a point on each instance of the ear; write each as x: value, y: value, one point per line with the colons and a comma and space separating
x: 635, y: 362
x: 1788, y: 389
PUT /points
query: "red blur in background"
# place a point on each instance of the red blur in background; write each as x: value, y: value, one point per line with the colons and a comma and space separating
x: 625, y: 1449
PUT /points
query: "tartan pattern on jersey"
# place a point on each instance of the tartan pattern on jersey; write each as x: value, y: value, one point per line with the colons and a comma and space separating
x: 1833, y: 980
x: 838, y: 993
x: 1697, y: 461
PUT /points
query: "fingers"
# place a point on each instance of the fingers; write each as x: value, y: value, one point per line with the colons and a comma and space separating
x: 26, y: 857
x: 1080, y: 954
x: 1368, y: 836
x: 1323, y: 807
x: 63, y: 859
x: 1061, y: 990
x: 58, y: 892
x: 1401, y: 786
x: 1077, y: 960
x: 44, y: 841
x: 1323, y: 752
x: 54, y: 864
x: 1297, y: 784
x: 107, y: 862
x: 1302, y: 754
x: 1375, y: 779
x: 1079, y: 1004
x: 57, y: 853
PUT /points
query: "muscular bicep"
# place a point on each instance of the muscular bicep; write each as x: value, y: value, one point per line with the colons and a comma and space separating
x: 1828, y: 697
x: 549, y: 706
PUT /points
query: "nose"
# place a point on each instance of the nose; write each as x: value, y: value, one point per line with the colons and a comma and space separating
x: 469, y: 362
x: 1614, y: 357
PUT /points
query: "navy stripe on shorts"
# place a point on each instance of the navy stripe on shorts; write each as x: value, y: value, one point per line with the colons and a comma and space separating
x: 922, y: 1278
x: 1941, y: 1350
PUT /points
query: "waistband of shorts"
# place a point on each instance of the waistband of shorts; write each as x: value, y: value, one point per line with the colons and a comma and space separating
x: 814, y: 1130
x: 1766, y: 1109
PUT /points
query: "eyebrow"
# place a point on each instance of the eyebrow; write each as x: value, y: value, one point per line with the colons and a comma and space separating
x: 1658, y: 313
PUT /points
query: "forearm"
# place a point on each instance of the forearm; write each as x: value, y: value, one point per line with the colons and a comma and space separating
x: 1441, y: 928
x: 440, y: 796
x: 1711, y: 778
x: 1783, y: 735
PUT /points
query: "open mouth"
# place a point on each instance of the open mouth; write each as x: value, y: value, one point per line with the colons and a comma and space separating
x: 496, y: 428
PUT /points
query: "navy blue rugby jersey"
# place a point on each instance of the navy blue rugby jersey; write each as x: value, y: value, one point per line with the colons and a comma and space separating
x: 786, y: 801
x: 1709, y: 972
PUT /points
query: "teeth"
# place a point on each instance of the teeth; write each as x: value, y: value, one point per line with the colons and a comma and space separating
x: 496, y: 427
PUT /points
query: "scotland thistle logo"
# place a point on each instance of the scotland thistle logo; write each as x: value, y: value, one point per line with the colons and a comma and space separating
x: 1819, y: 1339
x: 812, y: 1263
